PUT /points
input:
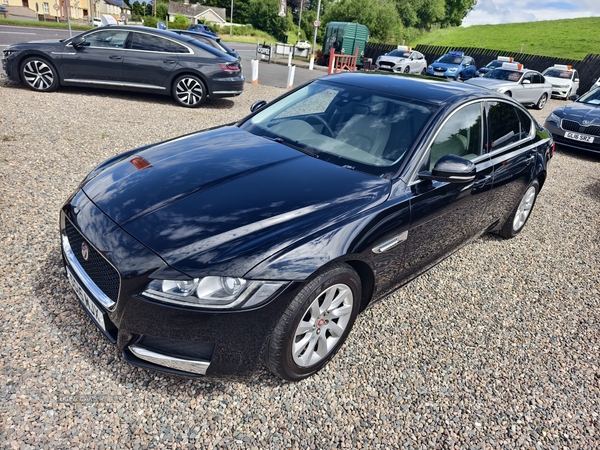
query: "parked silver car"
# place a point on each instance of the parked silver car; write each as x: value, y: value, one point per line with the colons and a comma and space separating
x: 528, y: 87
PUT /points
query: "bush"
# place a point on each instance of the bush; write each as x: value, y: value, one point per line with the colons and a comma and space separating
x: 179, y: 23
x: 150, y: 21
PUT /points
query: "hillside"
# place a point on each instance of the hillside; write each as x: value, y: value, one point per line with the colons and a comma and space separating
x: 567, y: 38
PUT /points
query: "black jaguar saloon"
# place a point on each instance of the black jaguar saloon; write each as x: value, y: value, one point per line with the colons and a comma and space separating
x: 128, y: 58
x: 258, y: 243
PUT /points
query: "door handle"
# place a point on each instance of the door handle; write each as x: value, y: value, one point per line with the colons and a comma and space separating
x: 168, y: 61
x: 115, y: 57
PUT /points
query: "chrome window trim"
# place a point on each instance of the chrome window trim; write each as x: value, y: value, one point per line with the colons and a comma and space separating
x: 84, y: 278
x: 189, y: 49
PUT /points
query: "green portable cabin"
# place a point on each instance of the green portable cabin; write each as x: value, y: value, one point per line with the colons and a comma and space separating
x: 347, y: 36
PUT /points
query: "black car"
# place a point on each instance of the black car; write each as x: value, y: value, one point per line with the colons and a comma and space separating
x: 207, y: 39
x: 130, y: 58
x: 577, y: 125
x: 260, y: 242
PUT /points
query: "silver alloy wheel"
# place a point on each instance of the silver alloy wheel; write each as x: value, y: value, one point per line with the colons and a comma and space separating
x: 189, y: 91
x: 38, y: 74
x: 542, y: 102
x: 322, y: 325
x: 524, y: 208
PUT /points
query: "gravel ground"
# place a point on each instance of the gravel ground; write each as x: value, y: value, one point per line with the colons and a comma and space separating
x: 497, y: 347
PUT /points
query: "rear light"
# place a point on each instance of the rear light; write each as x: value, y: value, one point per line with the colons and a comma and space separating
x: 232, y: 67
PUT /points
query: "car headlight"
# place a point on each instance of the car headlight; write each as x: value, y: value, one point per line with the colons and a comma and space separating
x: 453, y: 69
x: 213, y: 292
x: 378, y: 58
x: 553, y: 118
x: 430, y: 67
x: 7, y: 52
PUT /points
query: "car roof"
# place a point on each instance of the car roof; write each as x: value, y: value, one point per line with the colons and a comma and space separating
x: 428, y: 89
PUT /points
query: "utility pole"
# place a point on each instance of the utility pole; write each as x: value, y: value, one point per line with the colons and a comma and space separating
x: 299, y: 21
x: 231, y: 20
x: 315, y: 37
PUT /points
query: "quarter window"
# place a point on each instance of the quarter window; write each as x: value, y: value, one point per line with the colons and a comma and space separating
x: 508, y: 125
x: 150, y: 43
x: 461, y: 135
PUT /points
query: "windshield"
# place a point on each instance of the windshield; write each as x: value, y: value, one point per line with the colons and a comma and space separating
x: 346, y: 125
x: 555, y: 73
x: 450, y: 59
x: 504, y: 74
x: 399, y: 54
x: 590, y: 98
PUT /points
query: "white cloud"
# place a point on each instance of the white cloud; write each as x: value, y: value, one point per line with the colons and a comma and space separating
x: 509, y: 11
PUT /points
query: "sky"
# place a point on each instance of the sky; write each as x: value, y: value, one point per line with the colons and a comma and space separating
x: 510, y: 11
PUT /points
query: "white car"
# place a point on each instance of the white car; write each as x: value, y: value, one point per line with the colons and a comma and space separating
x: 97, y: 22
x: 403, y: 59
x: 564, y: 79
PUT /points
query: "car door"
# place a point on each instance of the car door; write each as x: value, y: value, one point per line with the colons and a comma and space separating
x: 150, y: 59
x: 98, y: 59
x: 513, y: 153
x: 525, y: 91
x: 445, y: 215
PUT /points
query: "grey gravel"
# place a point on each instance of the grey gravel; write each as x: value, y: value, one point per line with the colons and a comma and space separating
x: 497, y: 347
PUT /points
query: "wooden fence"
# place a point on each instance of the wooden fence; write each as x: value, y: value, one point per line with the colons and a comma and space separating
x: 589, y: 68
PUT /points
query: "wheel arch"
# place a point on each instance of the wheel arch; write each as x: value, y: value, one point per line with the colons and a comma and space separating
x: 34, y: 53
x: 182, y: 72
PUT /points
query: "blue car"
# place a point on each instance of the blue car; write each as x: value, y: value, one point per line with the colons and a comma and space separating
x: 203, y: 29
x: 453, y: 65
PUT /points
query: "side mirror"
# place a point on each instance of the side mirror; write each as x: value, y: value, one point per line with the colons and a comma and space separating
x: 77, y: 41
x: 576, y: 80
x: 451, y: 169
x: 258, y: 105
x: 526, y: 82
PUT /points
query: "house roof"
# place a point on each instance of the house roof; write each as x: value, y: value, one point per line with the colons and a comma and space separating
x: 195, y: 10
x: 119, y: 3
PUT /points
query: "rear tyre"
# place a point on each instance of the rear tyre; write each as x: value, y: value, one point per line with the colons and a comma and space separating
x: 518, y: 218
x: 315, y: 324
x: 189, y: 91
x: 39, y: 75
x: 541, y: 102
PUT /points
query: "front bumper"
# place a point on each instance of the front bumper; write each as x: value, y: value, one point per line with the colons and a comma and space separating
x: 558, y: 134
x: 562, y: 92
x: 168, y: 338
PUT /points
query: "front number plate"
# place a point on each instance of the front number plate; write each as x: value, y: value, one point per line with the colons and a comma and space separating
x: 87, y: 302
x: 579, y: 137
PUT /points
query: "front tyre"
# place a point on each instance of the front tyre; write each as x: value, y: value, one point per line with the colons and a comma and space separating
x: 189, y: 91
x: 315, y: 324
x: 407, y: 69
x: 39, y: 75
x: 518, y: 218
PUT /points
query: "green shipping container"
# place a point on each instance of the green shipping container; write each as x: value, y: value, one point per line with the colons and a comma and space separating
x: 347, y: 36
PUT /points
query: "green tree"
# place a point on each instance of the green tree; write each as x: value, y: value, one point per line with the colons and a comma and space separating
x: 380, y: 16
x: 263, y: 15
x: 457, y: 10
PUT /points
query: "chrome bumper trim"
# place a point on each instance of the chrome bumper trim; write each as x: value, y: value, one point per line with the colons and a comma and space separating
x: 185, y: 365
x: 84, y: 278
x: 227, y: 92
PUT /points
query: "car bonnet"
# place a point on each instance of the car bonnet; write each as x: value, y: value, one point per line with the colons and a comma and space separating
x: 195, y: 199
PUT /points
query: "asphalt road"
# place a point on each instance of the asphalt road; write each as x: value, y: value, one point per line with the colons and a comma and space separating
x: 268, y: 74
